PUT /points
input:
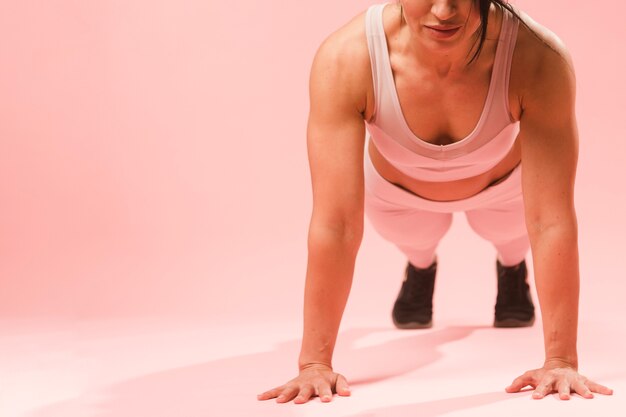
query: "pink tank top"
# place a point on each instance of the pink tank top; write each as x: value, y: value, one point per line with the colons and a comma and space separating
x: 481, y: 150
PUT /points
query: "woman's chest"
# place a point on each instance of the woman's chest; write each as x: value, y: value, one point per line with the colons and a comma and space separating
x: 440, y: 112
x: 444, y: 111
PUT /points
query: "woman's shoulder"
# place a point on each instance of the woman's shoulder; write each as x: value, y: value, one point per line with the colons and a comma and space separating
x: 539, y: 48
x: 343, y: 58
x: 347, y: 44
x: 541, y: 63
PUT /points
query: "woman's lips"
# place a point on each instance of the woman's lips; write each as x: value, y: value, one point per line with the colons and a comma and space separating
x: 442, y: 32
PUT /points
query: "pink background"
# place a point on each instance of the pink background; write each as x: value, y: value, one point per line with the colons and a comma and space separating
x: 155, y: 197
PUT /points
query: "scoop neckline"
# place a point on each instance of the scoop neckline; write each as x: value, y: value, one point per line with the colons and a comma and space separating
x: 486, y: 105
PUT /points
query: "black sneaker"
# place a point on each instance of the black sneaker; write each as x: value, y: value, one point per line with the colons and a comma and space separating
x: 514, y: 305
x: 413, y: 308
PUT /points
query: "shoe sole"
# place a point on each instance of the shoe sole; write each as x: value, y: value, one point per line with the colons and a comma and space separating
x: 509, y: 323
x: 413, y: 325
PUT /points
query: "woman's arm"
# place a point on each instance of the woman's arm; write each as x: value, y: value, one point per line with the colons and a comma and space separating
x: 549, y: 137
x: 335, y: 144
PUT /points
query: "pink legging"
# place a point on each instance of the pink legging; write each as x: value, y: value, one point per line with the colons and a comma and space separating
x: 416, y: 225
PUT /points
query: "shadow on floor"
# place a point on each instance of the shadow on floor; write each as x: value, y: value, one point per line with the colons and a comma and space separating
x: 229, y: 386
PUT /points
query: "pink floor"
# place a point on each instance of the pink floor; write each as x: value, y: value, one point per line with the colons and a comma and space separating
x: 163, y: 365
x: 154, y: 204
x: 161, y: 368
x: 164, y: 368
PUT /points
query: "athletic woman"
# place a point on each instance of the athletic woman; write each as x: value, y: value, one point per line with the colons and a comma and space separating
x: 469, y: 106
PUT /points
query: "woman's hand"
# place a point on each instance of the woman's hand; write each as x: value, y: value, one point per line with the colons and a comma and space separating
x: 317, y: 380
x: 559, y: 378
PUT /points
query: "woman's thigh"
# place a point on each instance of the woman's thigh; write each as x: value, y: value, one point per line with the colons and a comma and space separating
x: 406, y: 226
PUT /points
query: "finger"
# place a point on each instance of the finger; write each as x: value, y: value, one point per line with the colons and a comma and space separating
x: 273, y: 393
x: 325, y: 393
x: 581, y: 389
x: 543, y: 389
x: 287, y: 395
x: 342, y: 387
x: 305, y: 394
x: 600, y: 389
x: 564, y: 390
x: 519, y: 383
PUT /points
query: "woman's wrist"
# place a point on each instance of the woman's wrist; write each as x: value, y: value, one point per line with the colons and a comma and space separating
x: 304, y: 365
x: 561, y: 362
x: 562, y: 353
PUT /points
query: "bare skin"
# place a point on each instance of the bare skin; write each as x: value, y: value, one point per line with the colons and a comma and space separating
x: 441, y: 99
x: 436, y: 114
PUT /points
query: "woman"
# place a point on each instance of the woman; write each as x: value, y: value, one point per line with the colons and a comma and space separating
x: 457, y: 96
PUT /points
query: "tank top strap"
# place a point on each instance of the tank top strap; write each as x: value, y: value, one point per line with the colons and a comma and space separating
x: 376, y: 44
x: 506, y: 43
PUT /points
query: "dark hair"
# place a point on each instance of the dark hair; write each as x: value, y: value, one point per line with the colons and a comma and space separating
x: 483, y: 7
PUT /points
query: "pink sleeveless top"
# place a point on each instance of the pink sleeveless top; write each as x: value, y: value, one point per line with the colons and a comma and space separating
x: 481, y: 150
